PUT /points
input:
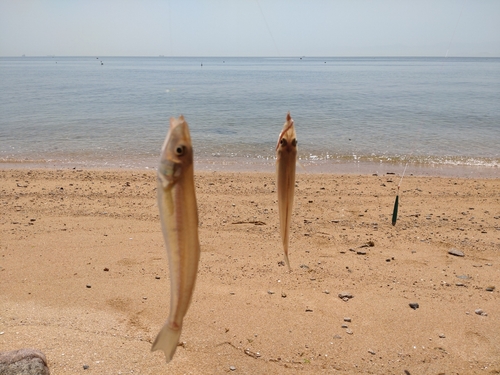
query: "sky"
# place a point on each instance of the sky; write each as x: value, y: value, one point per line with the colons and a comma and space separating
x: 250, y: 28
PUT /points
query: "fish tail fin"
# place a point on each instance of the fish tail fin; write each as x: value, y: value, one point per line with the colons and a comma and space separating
x: 167, y: 340
x: 285, y: 252
x: 288, y: 262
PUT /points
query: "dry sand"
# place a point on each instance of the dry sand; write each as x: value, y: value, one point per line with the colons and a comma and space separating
x: 84, y: 275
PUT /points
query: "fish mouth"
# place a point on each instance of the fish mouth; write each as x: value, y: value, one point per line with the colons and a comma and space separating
x: 283, y: 132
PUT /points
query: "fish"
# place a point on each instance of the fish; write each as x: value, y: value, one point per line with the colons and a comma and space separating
x: 179, y: 223
x: 286, y: 158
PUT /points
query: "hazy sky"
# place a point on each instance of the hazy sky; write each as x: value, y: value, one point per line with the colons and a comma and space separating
x: 250, y: 27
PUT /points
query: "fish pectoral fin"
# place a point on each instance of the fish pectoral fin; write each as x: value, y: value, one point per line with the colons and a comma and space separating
x: 167, y: 341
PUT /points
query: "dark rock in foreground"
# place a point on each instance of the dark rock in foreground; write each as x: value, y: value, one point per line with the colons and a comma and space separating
x: 23, y: 362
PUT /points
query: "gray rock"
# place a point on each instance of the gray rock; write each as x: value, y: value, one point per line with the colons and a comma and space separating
x: 456, y: 252
x: 345, y: 296
x: 23, y: 362
x: 480, y: 312
x: 414, y: 305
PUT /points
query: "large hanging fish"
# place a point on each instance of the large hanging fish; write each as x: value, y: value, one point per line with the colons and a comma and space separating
x: 179, y: 222
x: 286, y: 155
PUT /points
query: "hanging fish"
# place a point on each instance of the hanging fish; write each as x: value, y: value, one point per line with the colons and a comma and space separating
x: 396, y: 203
x: 286, y: 155
x: 179, y: 222
x: 395, y: 211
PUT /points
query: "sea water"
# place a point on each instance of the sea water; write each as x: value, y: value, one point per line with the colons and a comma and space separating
x: 351, y: 114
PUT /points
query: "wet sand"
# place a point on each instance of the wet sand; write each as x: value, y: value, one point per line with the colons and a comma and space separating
x: 84, y: 274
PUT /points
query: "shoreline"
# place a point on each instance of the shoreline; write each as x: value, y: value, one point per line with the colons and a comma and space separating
x: 246, y: 165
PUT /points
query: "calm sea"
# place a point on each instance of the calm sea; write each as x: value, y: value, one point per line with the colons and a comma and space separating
x: 364, y: 115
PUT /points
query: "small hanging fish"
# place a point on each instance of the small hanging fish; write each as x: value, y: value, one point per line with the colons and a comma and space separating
x: 179, y: 222
x: 286, y: 155
x: 395, y: 210
x: 396, y: 202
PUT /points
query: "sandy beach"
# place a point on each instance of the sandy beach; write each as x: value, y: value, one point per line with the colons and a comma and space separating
x: 84, y: 274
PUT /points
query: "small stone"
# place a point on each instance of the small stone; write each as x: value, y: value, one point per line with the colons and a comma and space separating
x: 232, y: 368
x: 270, y: 292
x: 337, y: 337
x: 89, y: 286
x: 442, y: 336
x: 326, y: 291
x: 414, y: 305
x: 456, y: 252
x: 309, y: 310
x: 480, y: 312
x: 361, y: 252
x: 106, y: 269
x: 348, y: 331
x: 347, y: 319
x: 85, y: 367
x: 372, y: 352
x: 490, y: 288
x: 157, y: 277
x: 345, y: 296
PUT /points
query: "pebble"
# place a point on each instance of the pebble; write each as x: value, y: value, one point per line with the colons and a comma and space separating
x: 326, y: 291
x: 232, y: 368
x: 456, y: 252
x: 270, y: 292
x: 490, y: 288
x: 480, y: 312
x: 414, y: 305
x: 442, y: 336
x: 372, y: 352
x: 89, y: 286
x: 345, y: 326
x: 347, y: 319
x: 157, y: 277
x: 348, y: 331
x: 85, y: 367
x: 283, y: 294
x: 337, y: 337
x: 345, y: 296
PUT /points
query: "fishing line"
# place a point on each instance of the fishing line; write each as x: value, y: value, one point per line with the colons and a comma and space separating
x: 454, y: 31
x: 268, y: 28
x: 396, y: 202
x: 313, y: 104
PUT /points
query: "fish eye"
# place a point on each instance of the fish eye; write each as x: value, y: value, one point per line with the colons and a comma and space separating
x: 283, y: 142
x: 294, y: 142
x: 180, y: 150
